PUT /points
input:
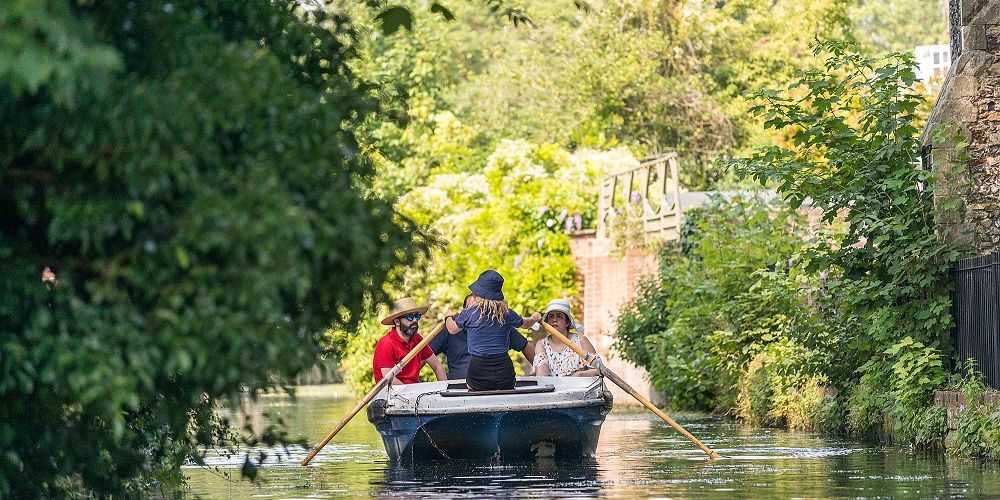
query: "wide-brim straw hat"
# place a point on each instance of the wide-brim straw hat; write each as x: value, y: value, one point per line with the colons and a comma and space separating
x: 560, y: 305
x: 402, y: 307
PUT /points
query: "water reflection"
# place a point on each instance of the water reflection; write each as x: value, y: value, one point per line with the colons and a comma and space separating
x: 542, y: 478
x: 637, y: 456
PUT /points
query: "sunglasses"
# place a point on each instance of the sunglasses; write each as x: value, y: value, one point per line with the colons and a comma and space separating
x: 413, y: 317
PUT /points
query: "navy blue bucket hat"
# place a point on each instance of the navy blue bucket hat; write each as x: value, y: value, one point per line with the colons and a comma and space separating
x: 488, y: 285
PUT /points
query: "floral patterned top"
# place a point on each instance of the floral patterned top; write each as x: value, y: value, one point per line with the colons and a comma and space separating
x: 560, y: 363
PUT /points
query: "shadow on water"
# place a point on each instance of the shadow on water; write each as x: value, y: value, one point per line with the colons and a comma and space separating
x: 544, y: 477
x: 637, y: 456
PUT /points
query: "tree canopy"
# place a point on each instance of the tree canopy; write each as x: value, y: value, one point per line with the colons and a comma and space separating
x: 900, y: 25
x: 188, y: 172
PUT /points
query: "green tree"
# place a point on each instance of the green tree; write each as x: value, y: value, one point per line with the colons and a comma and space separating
x: 900, y: 25
x: 647, y: 75
x: 512, y: 217
x: 854, y: 153
x: 863, y: 304
x: 187, y: 170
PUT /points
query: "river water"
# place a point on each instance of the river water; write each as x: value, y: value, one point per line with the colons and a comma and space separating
x: 638, y: 456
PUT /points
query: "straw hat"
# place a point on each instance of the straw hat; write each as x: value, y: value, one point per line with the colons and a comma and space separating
x: 402, y: 307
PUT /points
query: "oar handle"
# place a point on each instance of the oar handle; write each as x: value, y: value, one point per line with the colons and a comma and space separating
x: 604, y: 370
x: 386, y: 380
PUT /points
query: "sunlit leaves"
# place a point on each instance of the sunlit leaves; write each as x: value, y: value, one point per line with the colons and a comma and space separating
x: 853, y: 153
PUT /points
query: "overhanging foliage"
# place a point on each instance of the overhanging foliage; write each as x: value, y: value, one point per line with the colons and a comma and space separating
x: 184, y: 169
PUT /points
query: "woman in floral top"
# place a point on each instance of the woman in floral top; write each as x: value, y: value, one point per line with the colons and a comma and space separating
x: 552, y: 357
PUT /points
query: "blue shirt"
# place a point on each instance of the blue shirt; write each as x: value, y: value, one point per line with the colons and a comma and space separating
x: 455, y: 347
x: 488, y: 339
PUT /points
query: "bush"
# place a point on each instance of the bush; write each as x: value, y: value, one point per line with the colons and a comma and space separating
x: 712, y: 308
x: 979, y: 424
x: 863, y: 308
x: 781, y: 388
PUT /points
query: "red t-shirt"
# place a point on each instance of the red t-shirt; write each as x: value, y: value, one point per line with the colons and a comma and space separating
x: 391, y: 349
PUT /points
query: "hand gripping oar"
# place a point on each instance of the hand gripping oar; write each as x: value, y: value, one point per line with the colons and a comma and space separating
x: 712, y: 455
x: 386, y: 380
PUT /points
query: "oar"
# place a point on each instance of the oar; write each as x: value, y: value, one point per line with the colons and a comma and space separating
x: 712, y: 455
x: 386, y: 380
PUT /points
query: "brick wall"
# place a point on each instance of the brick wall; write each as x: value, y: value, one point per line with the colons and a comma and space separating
x: 607, y: 283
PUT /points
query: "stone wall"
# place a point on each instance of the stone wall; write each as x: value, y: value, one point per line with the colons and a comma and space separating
x: 969, y: 182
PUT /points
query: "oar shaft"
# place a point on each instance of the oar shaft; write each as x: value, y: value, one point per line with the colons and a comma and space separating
x: 635, y: 394
x: 659, y: 413
x: 386, y: 380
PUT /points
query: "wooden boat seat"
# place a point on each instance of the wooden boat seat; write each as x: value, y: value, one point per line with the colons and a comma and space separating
x: 520, y: 387
x: 517, y: 383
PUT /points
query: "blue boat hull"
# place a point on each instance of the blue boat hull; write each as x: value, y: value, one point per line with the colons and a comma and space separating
x: 504, y: 436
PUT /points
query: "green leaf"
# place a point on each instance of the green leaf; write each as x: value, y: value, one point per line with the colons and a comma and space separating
x: 443, y: 11
x: 182, y: 257
x: 394, y: 18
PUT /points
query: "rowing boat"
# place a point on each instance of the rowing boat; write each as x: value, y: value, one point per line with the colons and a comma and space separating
x: 558, y: 417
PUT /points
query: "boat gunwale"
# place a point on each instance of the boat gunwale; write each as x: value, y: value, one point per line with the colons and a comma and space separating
x: 415, y: 403
x: 505, y: 407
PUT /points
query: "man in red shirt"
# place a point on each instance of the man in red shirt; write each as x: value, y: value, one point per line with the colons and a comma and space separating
x: 400, y: 340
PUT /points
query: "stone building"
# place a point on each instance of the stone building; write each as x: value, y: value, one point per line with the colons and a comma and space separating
x: 967, y: 197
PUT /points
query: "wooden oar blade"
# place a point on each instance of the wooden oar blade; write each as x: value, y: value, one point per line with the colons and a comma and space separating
x: 620, y: 382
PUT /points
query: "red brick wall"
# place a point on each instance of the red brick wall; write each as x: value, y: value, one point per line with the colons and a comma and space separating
x: 607, y: 283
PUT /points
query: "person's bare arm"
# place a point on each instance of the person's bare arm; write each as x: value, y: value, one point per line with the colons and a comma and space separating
x: 589, y: 348
x: 529, y: 351
x: 536, y: 337
x: 435, y: 364
x: 531, y: 320
x: 451, y: 326
x: 385, y: 371
x: 542, y: 371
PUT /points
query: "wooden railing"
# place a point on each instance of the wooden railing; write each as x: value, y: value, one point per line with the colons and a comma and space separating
x: 649, y: 192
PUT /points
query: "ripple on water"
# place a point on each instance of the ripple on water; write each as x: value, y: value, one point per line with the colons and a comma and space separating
x: 638, y: 456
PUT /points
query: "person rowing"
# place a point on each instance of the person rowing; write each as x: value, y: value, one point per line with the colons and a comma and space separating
x: 404, y: 318
x: 491, y: 327
x: 555, y: 358
x: 455, y: 348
